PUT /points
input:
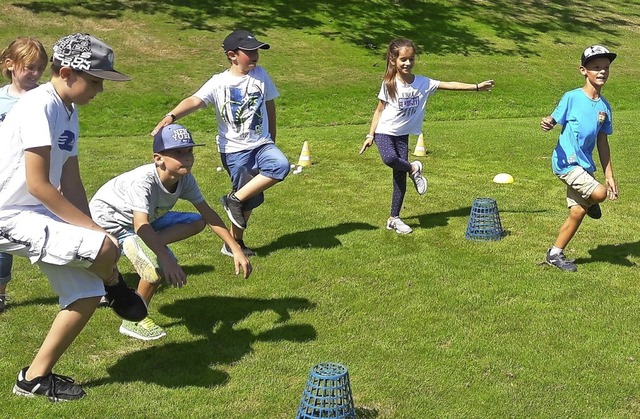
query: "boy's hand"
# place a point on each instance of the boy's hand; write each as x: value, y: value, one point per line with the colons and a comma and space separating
x: 547, y: 123
x: 241, y: 262
x: 612, y: 189
x: 368, y: 142
x: 486, y: 86
x: 173, y: 273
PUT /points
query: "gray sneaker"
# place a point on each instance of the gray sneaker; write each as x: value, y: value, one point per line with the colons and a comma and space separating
x: 419, y: 181
x: 397, y: 225
x: 560, y: 261
x: 233, y: 208
x: 227, y: 251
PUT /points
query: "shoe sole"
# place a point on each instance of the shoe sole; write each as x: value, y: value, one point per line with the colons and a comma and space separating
x: 131, y: 334
x: 399, y: 232
x: 144, y: 266
x: 419, y: 163
x: 557, y: 267
x: 223, y: 200
x: 24, y: 393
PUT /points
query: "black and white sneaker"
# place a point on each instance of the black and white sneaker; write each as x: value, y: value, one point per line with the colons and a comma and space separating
x: 3, y: 302
x: 125, y: 301
x: 247, y: 252
x: 233, y: 208
x: 57, y: 388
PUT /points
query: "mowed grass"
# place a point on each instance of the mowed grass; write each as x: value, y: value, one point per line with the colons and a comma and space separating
x: 430, y: 324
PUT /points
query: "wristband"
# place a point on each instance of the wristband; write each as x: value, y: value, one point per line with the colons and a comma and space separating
x: 368, y: 136
x: 172, y: 116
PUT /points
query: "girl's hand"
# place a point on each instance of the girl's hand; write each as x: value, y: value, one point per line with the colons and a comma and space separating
x: 367, y: 143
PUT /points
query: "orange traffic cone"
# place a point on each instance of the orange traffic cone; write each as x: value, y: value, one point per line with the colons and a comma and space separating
x: 420, y: 148
x: 305, y: 155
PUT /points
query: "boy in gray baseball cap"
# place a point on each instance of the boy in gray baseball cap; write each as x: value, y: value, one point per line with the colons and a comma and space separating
x: 44, y: 213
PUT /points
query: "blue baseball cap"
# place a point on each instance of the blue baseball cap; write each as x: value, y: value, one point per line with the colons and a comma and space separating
x: 172, y: 137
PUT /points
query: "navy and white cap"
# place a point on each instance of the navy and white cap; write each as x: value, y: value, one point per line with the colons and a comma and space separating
x: 86, y: 53
x: 596, y: 51
x: 172, y: 137
x: 241, y: 39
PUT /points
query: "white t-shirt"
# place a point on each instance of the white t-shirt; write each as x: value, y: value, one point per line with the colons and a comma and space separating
x: 241, y: 109
x: 138, y: 190
x: 38, y: 119
x: 404, y: 114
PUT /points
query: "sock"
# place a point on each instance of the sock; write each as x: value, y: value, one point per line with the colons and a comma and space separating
x: 555, y: 251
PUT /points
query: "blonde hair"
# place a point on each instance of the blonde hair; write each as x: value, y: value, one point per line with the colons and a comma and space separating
x: 393, y: 52
x: 21, y: 52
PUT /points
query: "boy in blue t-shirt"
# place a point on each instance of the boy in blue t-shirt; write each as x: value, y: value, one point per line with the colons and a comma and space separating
x: 585, y: 117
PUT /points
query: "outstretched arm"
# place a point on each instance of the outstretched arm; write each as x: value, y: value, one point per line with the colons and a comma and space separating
x: 484, y: 86
x: 184, y: 108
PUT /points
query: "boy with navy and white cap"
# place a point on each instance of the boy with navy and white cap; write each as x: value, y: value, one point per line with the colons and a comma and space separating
x: 243, y: 98
x: 586, y: 120
x: 136, y: 206
x: 44, y: 213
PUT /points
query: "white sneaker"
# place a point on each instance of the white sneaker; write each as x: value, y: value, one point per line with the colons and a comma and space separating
x: 419, y: 181
x: 396, y: 224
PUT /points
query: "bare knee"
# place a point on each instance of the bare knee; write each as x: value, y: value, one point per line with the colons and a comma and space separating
x: 599, y: 194
x: 106, y: 259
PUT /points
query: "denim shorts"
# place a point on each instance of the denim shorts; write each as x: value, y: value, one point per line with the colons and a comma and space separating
x: 242, y: 166
x: 167, y: 220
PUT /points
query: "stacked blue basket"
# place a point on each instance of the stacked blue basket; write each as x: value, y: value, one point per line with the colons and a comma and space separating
x: 327, y: 393
x: 484, y: 222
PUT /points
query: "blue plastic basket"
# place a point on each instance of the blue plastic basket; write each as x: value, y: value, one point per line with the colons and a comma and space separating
x: 327, y: 393
x: 484, y: 222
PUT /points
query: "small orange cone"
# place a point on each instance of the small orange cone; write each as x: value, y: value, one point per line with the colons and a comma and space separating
x: 420, y: 148
x: 305, y: 155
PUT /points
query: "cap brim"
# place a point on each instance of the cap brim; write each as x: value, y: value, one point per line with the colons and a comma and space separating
x: 253, y: 47
x: 610, y: 55
x: 111, y: 75
x: 179, y: 147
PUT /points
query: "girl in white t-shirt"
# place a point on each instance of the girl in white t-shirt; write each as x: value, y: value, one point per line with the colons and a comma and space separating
x: 402, y: 102
x: 23, y: 63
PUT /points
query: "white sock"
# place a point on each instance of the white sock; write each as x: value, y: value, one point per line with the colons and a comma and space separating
x: 555, y: 251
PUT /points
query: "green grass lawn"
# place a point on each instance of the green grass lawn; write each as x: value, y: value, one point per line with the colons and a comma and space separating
x: 430, y: 324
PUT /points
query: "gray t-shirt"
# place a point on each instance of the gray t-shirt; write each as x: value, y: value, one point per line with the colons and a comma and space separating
x: 138, y: 190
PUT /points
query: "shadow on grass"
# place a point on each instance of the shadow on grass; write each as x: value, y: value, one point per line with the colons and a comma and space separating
x: 179, y: 364
x: 324, y: 237
x: 617, y: 254
x: 436, y: 26
x: 441, y: 219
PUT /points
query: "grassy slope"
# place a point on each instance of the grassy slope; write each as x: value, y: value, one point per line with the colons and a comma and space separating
x: 430, y: 324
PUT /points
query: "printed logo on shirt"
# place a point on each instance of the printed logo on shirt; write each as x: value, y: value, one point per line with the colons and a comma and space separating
x: 408, y: 105
x: 243, y: 111
x: 2, y: 116
x: 602, y: 116
x: 66, y: 140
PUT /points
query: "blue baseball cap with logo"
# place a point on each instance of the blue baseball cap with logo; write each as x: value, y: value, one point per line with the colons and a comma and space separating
x: 172, y: 137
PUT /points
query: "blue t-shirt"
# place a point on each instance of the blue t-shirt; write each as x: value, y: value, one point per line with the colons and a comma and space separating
x: 581, y: 118
x: 6, y: 101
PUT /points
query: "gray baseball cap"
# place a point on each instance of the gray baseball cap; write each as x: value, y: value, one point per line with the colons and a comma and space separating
x: 86, y: 53
x: 596, y: 51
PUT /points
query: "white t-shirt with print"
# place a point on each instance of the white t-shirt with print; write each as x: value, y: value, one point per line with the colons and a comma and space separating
x: 139, y: 190
x: 240, y: 103
x: 404, y: 114
x: 38, y: 119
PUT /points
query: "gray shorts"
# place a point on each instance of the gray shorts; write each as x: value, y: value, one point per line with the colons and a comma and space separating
x: 580, y: 186
x: 61, y: 250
